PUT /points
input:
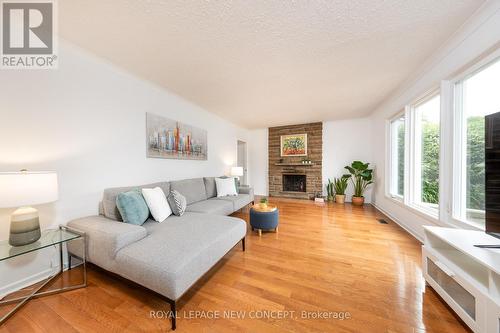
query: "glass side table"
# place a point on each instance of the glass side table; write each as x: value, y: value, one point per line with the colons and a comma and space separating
x: 75, y: 242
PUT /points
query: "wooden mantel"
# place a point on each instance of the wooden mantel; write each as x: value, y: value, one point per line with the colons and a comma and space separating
x: 294, y: 164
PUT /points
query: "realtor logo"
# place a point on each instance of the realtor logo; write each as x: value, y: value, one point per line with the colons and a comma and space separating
x: 28, y: 34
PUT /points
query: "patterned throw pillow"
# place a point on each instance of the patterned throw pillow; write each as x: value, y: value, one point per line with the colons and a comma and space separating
x: 177, y: 202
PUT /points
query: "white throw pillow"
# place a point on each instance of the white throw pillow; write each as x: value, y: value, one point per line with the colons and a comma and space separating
x: 225, y: 187
x: 157, y: 203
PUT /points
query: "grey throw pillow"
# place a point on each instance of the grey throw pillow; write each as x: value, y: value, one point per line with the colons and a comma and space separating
x: 177, y: 202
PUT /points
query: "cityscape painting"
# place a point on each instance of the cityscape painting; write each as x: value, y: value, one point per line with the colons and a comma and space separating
x: 167, y: 138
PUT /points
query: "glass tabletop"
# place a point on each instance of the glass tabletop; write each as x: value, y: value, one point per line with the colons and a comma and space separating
x: 49, y: 237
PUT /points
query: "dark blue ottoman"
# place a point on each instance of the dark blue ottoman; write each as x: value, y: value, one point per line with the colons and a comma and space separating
x: 264, y: 219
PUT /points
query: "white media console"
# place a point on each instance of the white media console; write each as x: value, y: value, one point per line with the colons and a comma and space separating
x: 466, y: 277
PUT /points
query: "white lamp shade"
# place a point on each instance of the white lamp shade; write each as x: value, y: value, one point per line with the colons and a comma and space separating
x: 27, y: 188
x: 237, y: 171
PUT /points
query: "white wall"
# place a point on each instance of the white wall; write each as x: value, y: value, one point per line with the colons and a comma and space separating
x: 258, y: 160
x: 343, y: 142
x: 480, y: 34
x: 86, y: 120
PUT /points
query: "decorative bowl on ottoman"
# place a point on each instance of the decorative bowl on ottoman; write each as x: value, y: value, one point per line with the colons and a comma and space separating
x: 264, y: 218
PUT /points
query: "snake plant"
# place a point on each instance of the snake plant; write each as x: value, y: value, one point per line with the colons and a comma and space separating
x: 340, y: 184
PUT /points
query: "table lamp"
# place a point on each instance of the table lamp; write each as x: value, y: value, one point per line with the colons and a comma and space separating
x: 237, y: 172
x: 21, y: 189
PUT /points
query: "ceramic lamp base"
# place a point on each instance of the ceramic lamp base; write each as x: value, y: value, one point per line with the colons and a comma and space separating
x: 24, y: 226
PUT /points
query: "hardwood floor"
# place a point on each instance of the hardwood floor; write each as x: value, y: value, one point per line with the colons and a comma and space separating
x: 326, y: 260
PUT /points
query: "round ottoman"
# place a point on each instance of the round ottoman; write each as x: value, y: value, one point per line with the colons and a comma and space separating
x: 264, y: 218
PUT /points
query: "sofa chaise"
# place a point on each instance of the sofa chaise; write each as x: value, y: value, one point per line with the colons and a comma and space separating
x: 167, y: 257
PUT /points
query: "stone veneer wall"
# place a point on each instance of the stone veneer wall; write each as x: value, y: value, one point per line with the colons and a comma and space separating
x: 314, y: 153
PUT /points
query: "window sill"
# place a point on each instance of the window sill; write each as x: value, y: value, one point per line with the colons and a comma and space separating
x: 428, y: 213
x: 395, y: 198
x: 432, y: 217
x: 466, y: 224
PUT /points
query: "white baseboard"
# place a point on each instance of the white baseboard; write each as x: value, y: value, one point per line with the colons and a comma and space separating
x: 26, y: 282
x: 400, y: 223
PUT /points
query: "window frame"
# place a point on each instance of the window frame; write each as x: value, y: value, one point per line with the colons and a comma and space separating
x: 458, y: 186
x: 392, y: 170
x: 413, y: 198
x: 431, y: 215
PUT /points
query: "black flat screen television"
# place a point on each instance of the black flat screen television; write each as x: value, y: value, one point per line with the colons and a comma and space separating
x: 492, y: 173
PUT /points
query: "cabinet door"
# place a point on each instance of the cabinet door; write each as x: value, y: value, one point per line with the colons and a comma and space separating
x: 460, y: 295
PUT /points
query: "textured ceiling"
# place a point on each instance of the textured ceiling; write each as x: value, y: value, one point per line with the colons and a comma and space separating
x: 267, y: 63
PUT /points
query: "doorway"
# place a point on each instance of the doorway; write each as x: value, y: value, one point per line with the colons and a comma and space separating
x: 242, y: 161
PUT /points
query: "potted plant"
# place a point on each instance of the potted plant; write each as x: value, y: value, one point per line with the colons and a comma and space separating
x: 329, y: 190
x: 340, y: 186
x: 263, y: 203
x: 360, y: 177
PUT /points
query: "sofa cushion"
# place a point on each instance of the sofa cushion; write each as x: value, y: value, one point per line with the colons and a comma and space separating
x: 238, y: 201
x: 105, y: 238
x: 245, y: 189
x: 192, y: 189
x: 211, y: 206
x: 210, y: 187
x: 132, y: 207
x: 109, y: 198
x: 195, y: 243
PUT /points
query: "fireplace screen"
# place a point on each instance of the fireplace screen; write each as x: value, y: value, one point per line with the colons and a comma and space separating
x: 294, y: 183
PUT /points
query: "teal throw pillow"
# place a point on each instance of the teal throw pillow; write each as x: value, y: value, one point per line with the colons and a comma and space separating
x: 132, y: 207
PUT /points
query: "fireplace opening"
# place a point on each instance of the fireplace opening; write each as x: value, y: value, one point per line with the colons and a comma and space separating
x: 294, y: 183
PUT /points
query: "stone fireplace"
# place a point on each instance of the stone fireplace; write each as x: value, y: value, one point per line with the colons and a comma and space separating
x: 288, y: 176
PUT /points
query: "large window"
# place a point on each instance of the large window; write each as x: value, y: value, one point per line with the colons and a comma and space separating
x: 438, y: 169
x: 425, y: 159
x: 397, y: 156
x: 476, y: 96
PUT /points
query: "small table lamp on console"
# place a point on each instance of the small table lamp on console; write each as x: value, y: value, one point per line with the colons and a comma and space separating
x: 237, y: 172
x: 20, y: 189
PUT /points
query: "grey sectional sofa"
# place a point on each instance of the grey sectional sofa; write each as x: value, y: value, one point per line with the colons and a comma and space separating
x: 167, y: 257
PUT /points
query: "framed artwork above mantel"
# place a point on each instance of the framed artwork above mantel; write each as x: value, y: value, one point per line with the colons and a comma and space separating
x: 293, y: 145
